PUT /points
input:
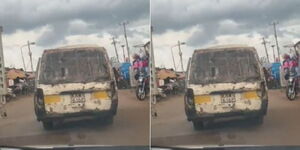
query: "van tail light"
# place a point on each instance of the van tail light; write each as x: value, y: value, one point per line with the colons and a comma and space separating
x: 251, y: 95
x: 201, y: 99
x: 101, y: 95
x: 49, y: 99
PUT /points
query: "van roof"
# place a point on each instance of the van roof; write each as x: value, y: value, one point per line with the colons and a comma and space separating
x: 225, y: 48
x: 75, y: 47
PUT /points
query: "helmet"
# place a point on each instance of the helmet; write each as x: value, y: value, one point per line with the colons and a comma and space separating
x: 286, y: 56
x: 136, y: 56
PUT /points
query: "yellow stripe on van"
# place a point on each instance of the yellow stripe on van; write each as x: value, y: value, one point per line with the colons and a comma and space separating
x: 48, y: 99
x: 100, y: 95
x: 199, y: 99
x: 250, y: 95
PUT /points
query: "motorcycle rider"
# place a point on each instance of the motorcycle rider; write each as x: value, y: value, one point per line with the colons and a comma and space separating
x: 140, y: 66
x: 290, y: 63
x: 136, y: 65
x: 290, y: 66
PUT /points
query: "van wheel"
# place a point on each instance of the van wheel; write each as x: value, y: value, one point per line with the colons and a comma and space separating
x: 48, y: 125
x: 198, y: 125
x: 258, y: 120
x: 107, y: 120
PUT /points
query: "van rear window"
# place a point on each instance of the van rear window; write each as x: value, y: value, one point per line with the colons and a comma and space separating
x: 228, y: 66
x: 76, y: 66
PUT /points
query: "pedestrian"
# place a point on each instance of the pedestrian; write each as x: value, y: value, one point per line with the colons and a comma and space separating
x: 124, y: 70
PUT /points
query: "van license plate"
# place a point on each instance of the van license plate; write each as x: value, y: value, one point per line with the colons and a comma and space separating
x: 228, y: 98
x: 77, y: 98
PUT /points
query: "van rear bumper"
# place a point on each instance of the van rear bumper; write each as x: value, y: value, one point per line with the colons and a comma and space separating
x: 193, y: 115
x: 43, y: 116
x: 90, y: 113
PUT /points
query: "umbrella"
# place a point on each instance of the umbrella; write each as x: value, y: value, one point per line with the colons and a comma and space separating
x: 164, y: 73
x: 14, y: 73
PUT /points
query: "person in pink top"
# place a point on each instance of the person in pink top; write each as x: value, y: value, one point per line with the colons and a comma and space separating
x: 135, y: 63
x: 290, y: 64
x: 285, y: 63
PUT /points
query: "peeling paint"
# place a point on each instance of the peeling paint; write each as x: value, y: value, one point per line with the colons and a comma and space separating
x: 66, y: 71
x: 58, y: 88
x: 216, y: 106
x: 207, y: 89
x: 219, y: 71
x: 66, y: 106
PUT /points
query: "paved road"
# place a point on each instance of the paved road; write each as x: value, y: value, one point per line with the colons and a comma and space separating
x: 281, y: 126
x: 130, y: 126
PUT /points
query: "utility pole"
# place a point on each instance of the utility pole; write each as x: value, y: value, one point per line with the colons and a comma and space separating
x: 125, y: 35
x: 114, y: 43
x: 264, y: 43
x: 23, y: 58
x: 153, y: 83
x: 173, y: 59
x: 180, y: 54
x: 30, y: 54
x: 275, y: 35
x: 273, y: 52
x: 123, y: 52
x: 3, y: 88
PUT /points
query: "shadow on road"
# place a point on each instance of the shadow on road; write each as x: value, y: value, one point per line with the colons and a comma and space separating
x: 78, y: 124
x: 232, y: 124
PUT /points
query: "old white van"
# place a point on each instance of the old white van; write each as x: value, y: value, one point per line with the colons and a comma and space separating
x: 75, y: 81
x: 225, y: 82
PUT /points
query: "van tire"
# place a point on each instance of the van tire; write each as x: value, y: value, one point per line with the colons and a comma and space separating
x: 258, y: 120
x: 48, y: 125
x: 198, y: 125
x: 107, y: 120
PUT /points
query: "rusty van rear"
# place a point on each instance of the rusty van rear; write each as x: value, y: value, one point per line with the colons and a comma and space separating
x: 224, y: 83
x: 75, y: 81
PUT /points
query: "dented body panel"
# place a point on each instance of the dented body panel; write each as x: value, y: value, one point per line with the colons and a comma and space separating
x: 216, y: 87
x: 58, y: 88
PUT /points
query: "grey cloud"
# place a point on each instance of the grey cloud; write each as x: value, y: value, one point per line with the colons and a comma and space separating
x: 17, y: 14
x: 203, y: 36
x: 53, y: 34
x: 65, y: 17
x: 249, y: 16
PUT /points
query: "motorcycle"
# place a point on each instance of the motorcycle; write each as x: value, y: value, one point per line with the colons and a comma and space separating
x: 292, y: 85
x: 170, y: 88
x: 142, y: 87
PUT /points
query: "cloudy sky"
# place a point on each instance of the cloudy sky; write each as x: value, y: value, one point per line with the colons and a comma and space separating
x: 203, y: 23
x: 62, y: 22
